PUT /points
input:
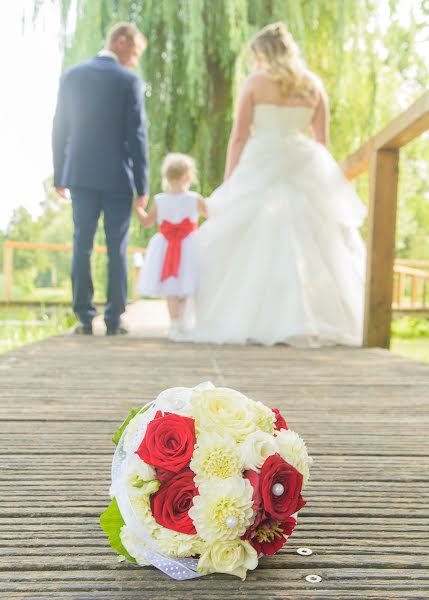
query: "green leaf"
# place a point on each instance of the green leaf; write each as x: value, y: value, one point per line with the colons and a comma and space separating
x: 111, y: 521
x: 118, y: 434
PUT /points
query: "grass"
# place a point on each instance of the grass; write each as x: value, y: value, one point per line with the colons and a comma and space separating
x: 21, y: 326
x: 410, y: 338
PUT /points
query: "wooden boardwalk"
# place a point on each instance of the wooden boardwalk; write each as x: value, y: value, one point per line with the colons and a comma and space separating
x: 364, y: 414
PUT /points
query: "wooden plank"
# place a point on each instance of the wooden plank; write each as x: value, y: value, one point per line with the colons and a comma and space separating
x: 381, y: 247
x: 365, y: 423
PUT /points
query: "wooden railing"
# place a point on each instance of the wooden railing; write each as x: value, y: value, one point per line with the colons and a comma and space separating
x: 9, y: 246
x: 380, y: 155
x: 411, y: 287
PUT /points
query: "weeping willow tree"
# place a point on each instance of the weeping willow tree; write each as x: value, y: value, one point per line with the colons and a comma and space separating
x: 364, y: 50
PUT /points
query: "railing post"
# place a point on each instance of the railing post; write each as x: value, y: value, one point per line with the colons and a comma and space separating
x: 380, y: 247
x: 7, y: 271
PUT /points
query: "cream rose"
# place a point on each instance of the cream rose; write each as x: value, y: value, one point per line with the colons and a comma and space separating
x: 256, y: 449
x: 223, y: 409
x: 234, y: 557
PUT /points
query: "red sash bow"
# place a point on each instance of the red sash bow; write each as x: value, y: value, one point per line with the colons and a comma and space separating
x: 174, y: 233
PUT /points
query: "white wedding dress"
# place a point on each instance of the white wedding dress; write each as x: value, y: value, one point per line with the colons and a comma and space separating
x: 282, y: 259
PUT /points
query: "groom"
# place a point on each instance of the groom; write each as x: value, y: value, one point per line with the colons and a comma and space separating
x: 100, y: 153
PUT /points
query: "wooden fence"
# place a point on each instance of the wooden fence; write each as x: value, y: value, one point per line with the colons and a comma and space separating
x: 380, y: 155
x: 9, y: 246
x: 410, y: 287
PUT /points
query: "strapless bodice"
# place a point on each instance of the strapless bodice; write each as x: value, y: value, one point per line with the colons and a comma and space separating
x: 280, y: 120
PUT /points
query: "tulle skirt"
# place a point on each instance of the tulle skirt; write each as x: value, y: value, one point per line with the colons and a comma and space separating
x: 149, y: 281
x: 281, y: 257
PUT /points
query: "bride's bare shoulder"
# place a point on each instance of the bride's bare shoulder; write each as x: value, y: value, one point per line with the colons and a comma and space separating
x: 258, y: 79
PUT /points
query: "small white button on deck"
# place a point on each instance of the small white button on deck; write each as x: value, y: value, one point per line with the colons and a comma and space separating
x: 313, y: 578
x: 304, y: 551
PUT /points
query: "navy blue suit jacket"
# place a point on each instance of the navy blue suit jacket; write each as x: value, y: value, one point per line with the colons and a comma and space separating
x: 99, y: 136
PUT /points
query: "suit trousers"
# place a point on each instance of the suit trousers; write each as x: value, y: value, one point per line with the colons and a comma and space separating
x: 87, y: 207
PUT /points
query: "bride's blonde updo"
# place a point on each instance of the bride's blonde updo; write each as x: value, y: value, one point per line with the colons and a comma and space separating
x: 275, y: 47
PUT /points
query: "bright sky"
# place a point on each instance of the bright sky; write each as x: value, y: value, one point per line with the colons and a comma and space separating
x: 30, y: 64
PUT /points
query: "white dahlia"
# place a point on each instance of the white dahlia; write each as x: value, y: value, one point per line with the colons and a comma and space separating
x: 178, y: 545
x: 294, y: 451
x: 215, y: 456
x: 142, y: 509
x: 223, y: 509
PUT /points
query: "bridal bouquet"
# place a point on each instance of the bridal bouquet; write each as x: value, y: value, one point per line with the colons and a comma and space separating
x: 204, y: 480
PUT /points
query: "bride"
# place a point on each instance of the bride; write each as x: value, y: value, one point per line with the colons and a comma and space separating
x: 281, y: 256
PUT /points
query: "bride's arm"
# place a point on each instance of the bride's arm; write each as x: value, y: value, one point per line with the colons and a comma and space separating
x: 240, y: 130
x: 320, y: 123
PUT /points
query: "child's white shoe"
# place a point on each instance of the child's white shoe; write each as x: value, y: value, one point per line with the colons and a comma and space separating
x: 176, y: 332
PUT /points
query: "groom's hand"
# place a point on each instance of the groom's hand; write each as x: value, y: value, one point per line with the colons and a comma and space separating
x: 62, y: 192
x: 141, y: 201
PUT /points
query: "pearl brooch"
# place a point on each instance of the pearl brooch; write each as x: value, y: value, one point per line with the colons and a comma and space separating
x: 231, y: 522
x: 278, y: 489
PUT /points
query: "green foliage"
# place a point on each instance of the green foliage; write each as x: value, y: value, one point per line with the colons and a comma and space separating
x: 111, y: 522
x: 118, y: 434
x: 410, y: 327
x: 21, y: 326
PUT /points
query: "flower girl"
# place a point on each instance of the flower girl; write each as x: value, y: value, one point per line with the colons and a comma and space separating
x: 171, y: 267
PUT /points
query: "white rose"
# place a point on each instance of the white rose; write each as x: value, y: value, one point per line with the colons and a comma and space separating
x: 256, y: 449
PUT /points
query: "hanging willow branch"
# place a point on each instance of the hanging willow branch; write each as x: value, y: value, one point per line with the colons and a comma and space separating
x: 196, y: 54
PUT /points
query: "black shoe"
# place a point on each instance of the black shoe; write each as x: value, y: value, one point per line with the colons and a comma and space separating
x: 119, y: 330
x: 83, y: 329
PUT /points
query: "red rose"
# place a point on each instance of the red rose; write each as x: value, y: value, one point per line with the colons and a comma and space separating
x: 271, y: 535
x: 171, y: 503
x: 253, y: 478
x: 276, y: 470
x: 163, y: 475
x: 280, y: 422
x: 169, y: 442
